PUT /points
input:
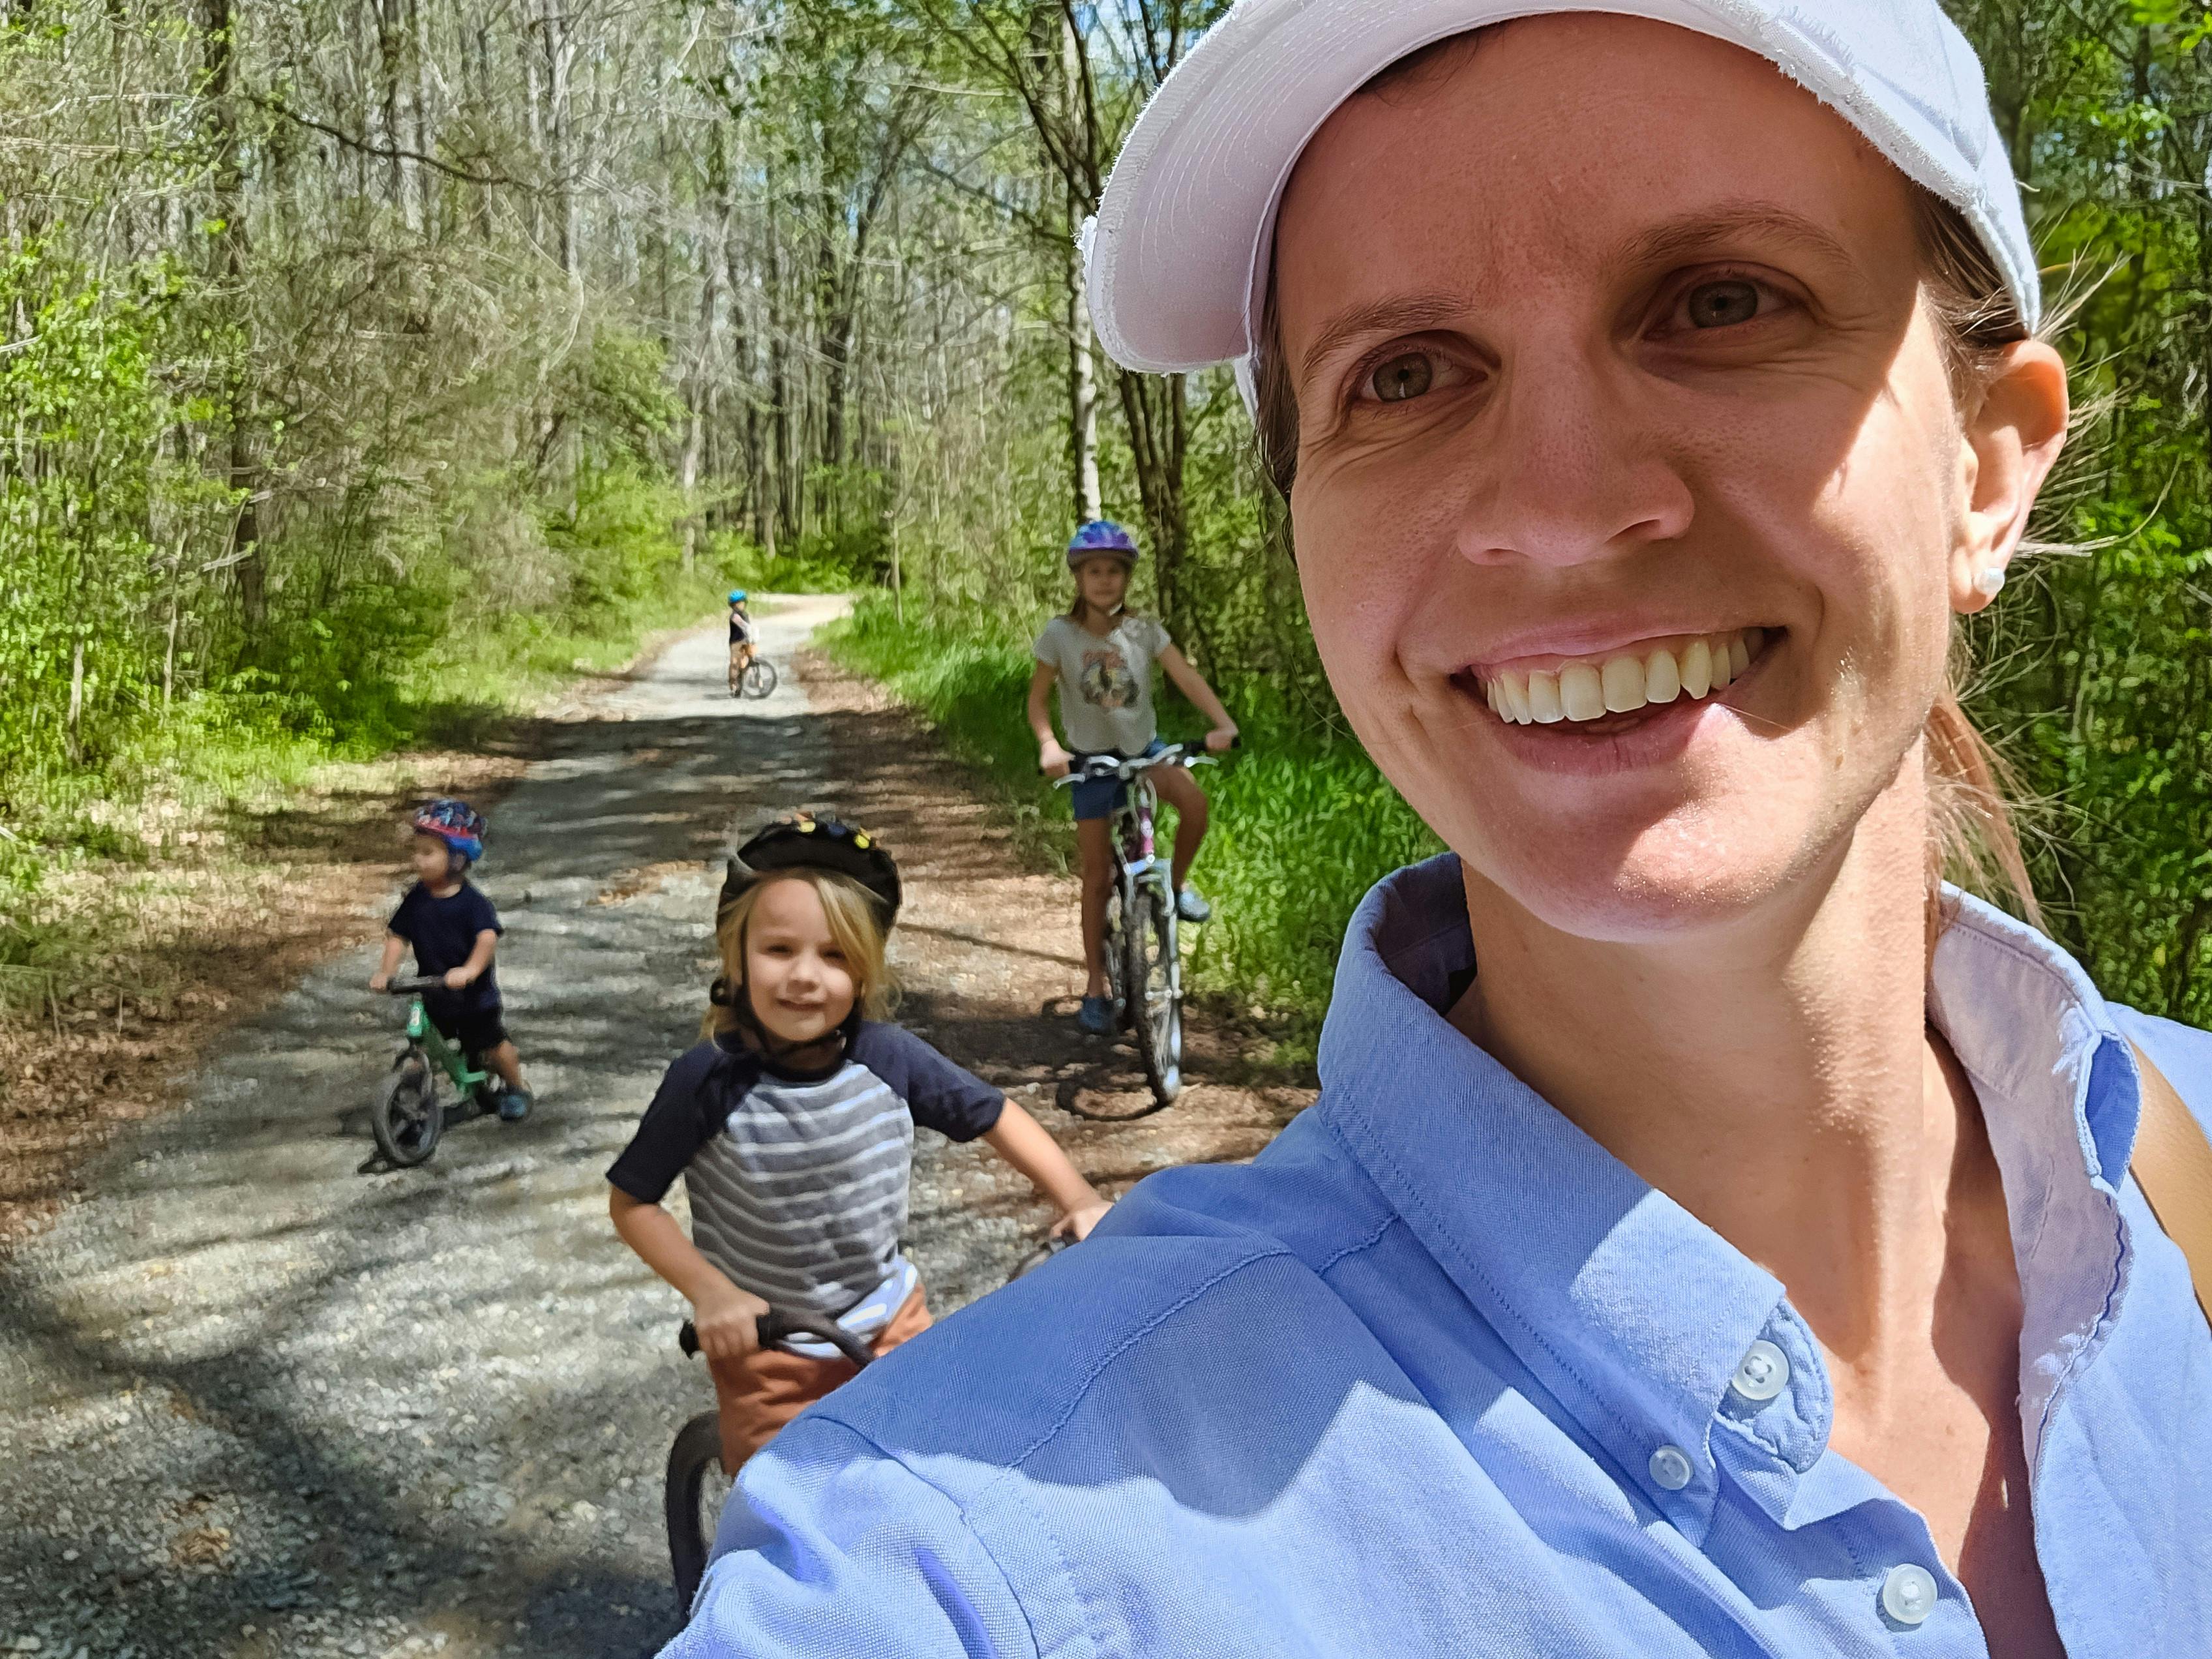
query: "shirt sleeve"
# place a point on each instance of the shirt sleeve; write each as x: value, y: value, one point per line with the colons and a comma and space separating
x: 939, y: 1094
x: 1160, y: 640
x: 833, y: 1548
x: 1046, y: 647
x: 485, y: 916
x: 682, y: 1118
x: 403, y: 918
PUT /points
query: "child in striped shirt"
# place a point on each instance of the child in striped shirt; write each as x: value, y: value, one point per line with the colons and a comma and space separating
x: 792, y: 1123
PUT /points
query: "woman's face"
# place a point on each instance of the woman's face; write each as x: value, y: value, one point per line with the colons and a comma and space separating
x: 1621, y: 389
x: 796, y: 973
x: 1102, y: 581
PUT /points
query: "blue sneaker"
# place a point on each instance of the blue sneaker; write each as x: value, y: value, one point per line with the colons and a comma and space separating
x: 513, y: 1105
x: 1096, y: 1016
x: 1191, y: 908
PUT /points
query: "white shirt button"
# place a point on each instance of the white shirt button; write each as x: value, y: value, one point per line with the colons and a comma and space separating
x: 1670, y: 1467
x: 1909, y: 1594
x: 1764, y: 1373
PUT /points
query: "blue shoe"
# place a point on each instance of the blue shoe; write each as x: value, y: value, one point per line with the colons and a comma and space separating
x: 513, y: 1105
x: 1096, y: 1016
x: 1191, y: 908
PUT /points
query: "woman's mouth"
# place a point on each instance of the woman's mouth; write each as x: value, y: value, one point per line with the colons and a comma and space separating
x: 1584, y: 691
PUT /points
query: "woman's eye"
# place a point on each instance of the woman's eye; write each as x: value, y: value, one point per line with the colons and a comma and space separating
x: 1722, y: 304
x: 1402, y: 378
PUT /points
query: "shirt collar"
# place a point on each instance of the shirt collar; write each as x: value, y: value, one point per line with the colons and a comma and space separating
x: 1630, y: 1310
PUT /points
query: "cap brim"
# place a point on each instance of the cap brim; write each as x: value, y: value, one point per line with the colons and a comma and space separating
x: 1175, y: 255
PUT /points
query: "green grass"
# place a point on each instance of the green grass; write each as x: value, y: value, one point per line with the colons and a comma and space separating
x: 1303, y: 824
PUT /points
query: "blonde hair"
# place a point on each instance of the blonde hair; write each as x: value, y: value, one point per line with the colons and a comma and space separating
x: 856, y: 925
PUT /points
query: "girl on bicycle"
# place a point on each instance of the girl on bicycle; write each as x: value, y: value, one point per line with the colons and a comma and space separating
x: 1102, y: 654
x: 791, y: 1123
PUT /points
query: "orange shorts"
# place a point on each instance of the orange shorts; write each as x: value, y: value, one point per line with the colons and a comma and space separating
x: 761, y: 1392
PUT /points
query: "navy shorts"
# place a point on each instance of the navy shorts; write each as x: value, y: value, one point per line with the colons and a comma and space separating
x: 478, y: 1030
x: 1097, y: 797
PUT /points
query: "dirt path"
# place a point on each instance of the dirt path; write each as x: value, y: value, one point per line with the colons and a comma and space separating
x: 257, y: 1401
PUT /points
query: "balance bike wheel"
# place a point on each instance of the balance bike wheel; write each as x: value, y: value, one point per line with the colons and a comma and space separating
x: 760, y: 677
x: 408, y: 1119
x: 697, y: 1485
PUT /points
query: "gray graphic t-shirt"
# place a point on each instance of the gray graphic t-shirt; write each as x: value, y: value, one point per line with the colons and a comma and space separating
x: 1105, y: 682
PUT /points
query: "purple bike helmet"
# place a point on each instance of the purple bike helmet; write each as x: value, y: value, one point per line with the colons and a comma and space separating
x: 1101, y: 536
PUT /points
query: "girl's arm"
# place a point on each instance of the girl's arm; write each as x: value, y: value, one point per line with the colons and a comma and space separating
x: 479, y: 959
x: 1052, y: 759
x: 1023, y: 1142
x: 722, y: 1314
x: 1188, y: 681
x: 394, y: 946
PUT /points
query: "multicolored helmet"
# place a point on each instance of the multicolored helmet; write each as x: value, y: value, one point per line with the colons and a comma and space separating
x: 1097, y: 537
x: 456, y: 823
x: 803, y: 841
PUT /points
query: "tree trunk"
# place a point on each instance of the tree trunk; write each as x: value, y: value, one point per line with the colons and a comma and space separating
x: 219, y: 28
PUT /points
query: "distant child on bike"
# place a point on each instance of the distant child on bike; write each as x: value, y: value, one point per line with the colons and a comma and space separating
x: 792, y: 1123
x: 741, y: 636
x: 1102, y: 654
x: 455, y: 932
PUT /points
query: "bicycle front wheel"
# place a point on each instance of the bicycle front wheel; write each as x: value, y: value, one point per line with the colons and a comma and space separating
x: 1151, y: 974
x: 408, y: 1119
x: 760, y: 677
x: 697, y: 1488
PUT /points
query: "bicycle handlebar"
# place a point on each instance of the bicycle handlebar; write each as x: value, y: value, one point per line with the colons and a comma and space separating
x: 775, y: 1326
x: 1099, y: 767
x: 414, y: 985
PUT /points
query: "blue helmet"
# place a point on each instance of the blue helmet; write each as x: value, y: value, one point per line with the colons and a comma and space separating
x: 456, y: 823
x: 1100, y: 536
x: 737, y: 596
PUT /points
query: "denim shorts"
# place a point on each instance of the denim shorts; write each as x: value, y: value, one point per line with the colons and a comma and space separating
x: 1097, y: 797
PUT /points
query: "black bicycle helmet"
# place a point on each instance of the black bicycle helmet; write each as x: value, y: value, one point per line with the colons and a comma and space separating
x: 803, y: 841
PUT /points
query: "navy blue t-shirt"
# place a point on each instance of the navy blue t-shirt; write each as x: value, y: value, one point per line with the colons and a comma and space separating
x: 443, y: 932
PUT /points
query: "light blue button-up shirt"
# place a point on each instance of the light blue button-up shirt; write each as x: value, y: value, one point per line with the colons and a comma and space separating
x: 1437, y: 1375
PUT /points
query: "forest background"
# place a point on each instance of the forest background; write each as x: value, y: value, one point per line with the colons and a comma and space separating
x: 364, y: 362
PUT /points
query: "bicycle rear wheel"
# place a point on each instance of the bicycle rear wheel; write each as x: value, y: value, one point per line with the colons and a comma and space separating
x: 408, y: 1119
x: 760, y: 677
x: 697, y: 1488
x: 1151, y: 973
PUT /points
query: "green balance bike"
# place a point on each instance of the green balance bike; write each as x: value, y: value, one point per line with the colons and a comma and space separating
x: 409, y: 1116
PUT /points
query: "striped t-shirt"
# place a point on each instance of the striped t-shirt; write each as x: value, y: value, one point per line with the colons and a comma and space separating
x: 798, y: 1181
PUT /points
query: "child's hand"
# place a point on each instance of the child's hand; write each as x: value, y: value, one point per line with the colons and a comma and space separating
x: 1079, y: 1222
x: 456, y: 978
x: 1221, y: 738
x: 380, y: 982
x: 1053, y: 761
x: 727, y: 1322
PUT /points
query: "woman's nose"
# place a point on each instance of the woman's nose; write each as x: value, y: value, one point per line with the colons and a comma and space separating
x: 1570, y: 469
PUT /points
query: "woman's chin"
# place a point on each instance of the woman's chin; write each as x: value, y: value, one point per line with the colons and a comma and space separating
x: 1645, y: 885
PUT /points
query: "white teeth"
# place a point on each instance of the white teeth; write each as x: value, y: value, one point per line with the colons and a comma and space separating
x: 1581, y: 693
x: 1544, y: 707
x: 1587, y: 691
x: 1623, y: 680
x: 1697, y: 668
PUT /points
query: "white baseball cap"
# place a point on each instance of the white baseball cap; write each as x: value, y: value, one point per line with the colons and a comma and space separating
x: 1178, y: 253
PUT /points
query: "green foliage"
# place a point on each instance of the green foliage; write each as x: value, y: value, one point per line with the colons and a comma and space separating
x: 1303, y: 825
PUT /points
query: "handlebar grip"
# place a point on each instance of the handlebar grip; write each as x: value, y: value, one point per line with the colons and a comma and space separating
x: 775, y: 1326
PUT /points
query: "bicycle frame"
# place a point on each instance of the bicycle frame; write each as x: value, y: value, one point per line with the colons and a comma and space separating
x: 443, y: 1054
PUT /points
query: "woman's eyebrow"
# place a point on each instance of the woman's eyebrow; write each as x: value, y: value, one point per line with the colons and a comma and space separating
x: 1695, y: 234
x: 1401, y: 314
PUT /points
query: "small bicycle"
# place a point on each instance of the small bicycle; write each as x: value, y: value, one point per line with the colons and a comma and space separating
x: 1144, y: 964
x: 409, y: 1116
x: 756, y: 678
x: 698, y: 1486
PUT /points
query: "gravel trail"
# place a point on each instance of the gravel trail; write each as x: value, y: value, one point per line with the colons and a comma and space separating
x: 259, y: 1399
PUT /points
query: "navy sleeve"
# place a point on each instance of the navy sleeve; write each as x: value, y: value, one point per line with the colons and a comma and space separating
x: 403, y: 918
x: 939, y: 1095
x: 482, y: 914
x: 687, y: 1112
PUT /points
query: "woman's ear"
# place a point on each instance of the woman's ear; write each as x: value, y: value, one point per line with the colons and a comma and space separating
x: 2007, y: 445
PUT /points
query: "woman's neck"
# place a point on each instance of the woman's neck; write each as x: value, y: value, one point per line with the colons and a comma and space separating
x: 1775, y: 1078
